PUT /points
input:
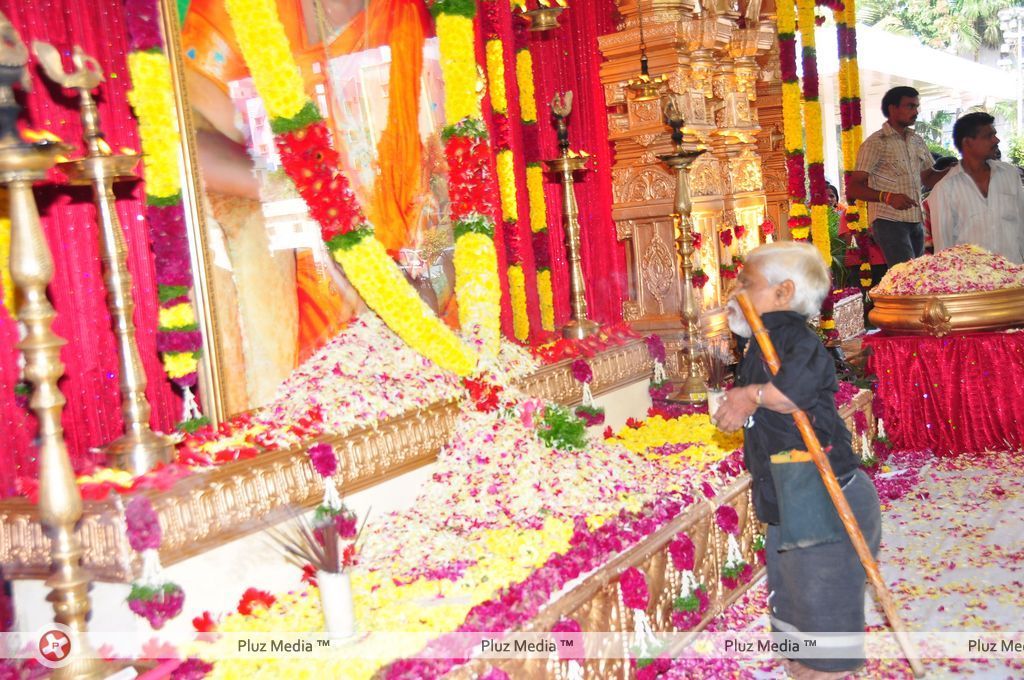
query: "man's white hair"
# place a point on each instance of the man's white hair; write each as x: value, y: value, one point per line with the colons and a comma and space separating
x: 800, y: 263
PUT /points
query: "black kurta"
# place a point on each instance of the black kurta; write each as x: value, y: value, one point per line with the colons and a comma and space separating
x: 808, y: 378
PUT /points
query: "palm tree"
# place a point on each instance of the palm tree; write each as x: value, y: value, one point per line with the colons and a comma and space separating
x: 964, y: 24
x: 933, y: 128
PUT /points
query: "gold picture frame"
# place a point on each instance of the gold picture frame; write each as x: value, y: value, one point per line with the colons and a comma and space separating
x: 248, y: 350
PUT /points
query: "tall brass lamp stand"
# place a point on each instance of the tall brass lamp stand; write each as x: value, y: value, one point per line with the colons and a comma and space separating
x: 565, y: 165
x: 139, y: 448
x: 60, y: 503
x: 692, y: 389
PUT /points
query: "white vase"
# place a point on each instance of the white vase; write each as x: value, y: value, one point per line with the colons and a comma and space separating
x: 336, y: 601
x: 715, y: 396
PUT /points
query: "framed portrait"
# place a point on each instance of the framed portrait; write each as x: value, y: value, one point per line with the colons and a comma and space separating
x: 270, y: 294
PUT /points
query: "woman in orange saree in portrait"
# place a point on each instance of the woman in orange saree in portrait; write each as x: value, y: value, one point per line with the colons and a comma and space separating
x: 287, y: 305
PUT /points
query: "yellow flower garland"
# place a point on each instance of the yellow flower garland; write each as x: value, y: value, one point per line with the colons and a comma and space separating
x: 792, y: 121
x: 815, y: 153
x: 507, y: 185
x: 535, y: 193
x: 495, y: 55
x: 527, y: 94
x: 799, y: 210
x: 178, y: 364
x: 819, y: 232
x: 812, y: 125
x: 547, y: 300
x: 152, y: 98
x: 5, y: 267
x: 269, y: 56
x: 479, y: 293
x: 517, y: 293
x: 458, y: 67
x: 384, y: 288
x: 178, y: 316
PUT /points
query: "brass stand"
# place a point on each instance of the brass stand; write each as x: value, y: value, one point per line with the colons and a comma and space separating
x: 693, y: 389
x: 60, y: 503
x: 580, y: 326
x: 139, y: 448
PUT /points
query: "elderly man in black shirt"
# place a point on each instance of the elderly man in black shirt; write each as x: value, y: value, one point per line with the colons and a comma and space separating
x: 815, y: 579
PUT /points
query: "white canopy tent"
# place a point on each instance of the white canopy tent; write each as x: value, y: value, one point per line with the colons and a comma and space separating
x: 946, y: 82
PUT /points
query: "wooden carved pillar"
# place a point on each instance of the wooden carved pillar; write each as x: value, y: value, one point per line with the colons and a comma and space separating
x: 770, y: 141
x: 711, y: 64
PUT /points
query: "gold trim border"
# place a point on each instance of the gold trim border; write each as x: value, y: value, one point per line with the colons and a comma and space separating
x: 214, y: 507
x: 597, y: 605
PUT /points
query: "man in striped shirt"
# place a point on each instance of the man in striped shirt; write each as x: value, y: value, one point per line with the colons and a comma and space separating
x: 892, y: 164
x: 981, y: 201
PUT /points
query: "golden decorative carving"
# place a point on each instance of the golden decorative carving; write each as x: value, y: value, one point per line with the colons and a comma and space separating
x: 848, y: 314
x: 706, y: 177
x: 774, y: 182
x: 657, y: 266
x: 646, y: 139
x: 645, y: 112
x: 631, y: 311
x: 614, y: 94
x: 624, y: 229
x: 211, y: 508
x: 745, y: 175
x: 643, y: 186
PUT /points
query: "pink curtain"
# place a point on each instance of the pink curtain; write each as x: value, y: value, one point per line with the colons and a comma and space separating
x: 567, y: 58
x: 958, y: 394
x: 92, y: 416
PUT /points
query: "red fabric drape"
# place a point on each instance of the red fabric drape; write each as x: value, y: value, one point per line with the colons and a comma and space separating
x: 956, y: 394
x: 92, y: 416
x: 567, y: 58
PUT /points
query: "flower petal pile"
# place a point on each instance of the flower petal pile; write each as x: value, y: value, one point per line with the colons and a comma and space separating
x: 960, y: 269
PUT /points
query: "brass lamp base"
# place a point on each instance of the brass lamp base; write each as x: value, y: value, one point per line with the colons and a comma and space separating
x: 139, y: 450
x: 577, y: 330
x: 691, y: 391
x: 542, y: 18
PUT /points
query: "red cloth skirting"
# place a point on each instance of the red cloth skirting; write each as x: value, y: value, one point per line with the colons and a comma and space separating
x: 958, y: 394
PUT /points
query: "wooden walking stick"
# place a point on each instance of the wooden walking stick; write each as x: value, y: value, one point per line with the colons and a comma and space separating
x: 803, y: 423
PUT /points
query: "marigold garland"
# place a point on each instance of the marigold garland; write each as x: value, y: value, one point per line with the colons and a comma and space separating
x: 495, y: 55
x: 152, y: 99
x: 517, y: 291
x: 456, y: 37
x: 547, y: 299
x: 267, y: 53
x: 479, y: 294
x: 850, y: 119
x: 458, y: 61
x: 6, y: 282
x: 539, y: 226
x: 507, y: 185
x: 386, y: 291
x: 792, y: 121
x: 527, y: 94
x: 813, y: 130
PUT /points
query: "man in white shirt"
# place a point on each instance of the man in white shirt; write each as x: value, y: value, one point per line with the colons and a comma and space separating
x: 892, y: 164
x: 980, y: 201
